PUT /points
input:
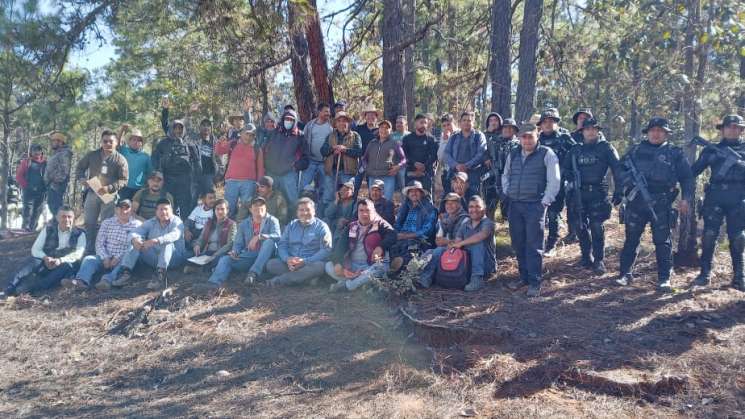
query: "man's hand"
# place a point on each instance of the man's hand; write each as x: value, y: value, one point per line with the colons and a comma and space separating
x: 103, y: 190
x: 149, y: 243
x: 248, y: 105
x: 107, y: 263
x: 393, y: 171
x: 377, y: 254
x: 683, y: 207
x: 441, y: 241
x: 294, y: 263
x: 165, y: 103
x: 338, y: 149
x: 233, y: 254
x: 455, y: 245
x: 187, y: 235
x: 419, y: 167
x: 461, y: 167
x: 137, y: 243
x: 194, y: 108
x: 406, y: 236
x: 197, y: 250
x: 487, y: 163
x: 253, y: 244
x: 124, y: 128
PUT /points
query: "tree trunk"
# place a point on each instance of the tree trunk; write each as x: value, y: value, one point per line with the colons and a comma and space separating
x: 409, y: 69
x: 741, y: 101
x: 301, y: 78
x: 5, y: 171
x: 393, y: 68
x: 687, y: 254
x: 318, y: 62
x: 499, y: 65
x: 525, y: 105
x: 264, y: 89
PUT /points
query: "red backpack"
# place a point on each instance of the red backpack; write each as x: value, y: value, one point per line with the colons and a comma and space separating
x: 453, y: 269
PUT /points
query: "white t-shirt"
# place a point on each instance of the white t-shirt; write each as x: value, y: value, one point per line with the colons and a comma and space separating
x: 200, y: 216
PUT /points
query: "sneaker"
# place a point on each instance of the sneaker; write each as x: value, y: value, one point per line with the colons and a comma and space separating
x: 124, y: 277
x: 624, y: 280
x: 72, y: 283
x: 516, y: 284
x: 338, y: 286
x: 250, y: 278
x: 159, y: 281
x: 598, y: 268
x: 396, y: 264
x: 664, y: 286
x: 549, y: 252
x: 475, y: 284
x: 703, y: 280
x: 533, y: 291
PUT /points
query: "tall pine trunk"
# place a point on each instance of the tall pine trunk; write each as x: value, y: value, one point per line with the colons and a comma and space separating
x: 525, y: 104
x: 393, y: 60
x: 299, y: 64
x: 409, y: 69
x: 318, y: 62
x: 499, y: 65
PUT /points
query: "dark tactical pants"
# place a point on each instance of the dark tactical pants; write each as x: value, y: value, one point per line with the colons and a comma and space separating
x: 723, y: 202
x: 637, y: 217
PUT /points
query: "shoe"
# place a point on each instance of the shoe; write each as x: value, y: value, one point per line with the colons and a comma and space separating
x: 103, y: 285
x: 396, y: 264
x: 598, y: 268
x: 190, y: 269
x: 72, y: 283
x: 738, y: 283
x: 624, y: 280
x: 250, y: 278
x: 703, y: 280
x: 338, y: 286
x: 124, y: 277
x: 585, y: 263
x: 159, y: 281
x: 533, y: 291
x: 475, y: 284
x: 570, y: 238
x: 516, y: 284
x: 664, y: 286
x: 549, y: 252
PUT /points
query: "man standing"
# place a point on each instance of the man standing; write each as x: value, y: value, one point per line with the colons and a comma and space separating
x: 420, y: 150
x: 283, y: 155
x: 55, y: 255
x: 30, y: 177
x: 342, y: 152
x: 303, y: 250
x: 725, y: 198
x: 585, y: 170
x: 661, y: 166
x: 159, y: 242
x: 531, y: 180
x: 383, y: 159
x: 493, y: 135
x: 465, y: 151
x: 369, y: 130
x: 245, y: 167
x: 559, y: 141
x: 138, y: 162
x: 441, y: 175
x: 180, y: 164
x: 316, y: 133
x: 112, y: 174
x: 112, y: 243
x: 57, y: 175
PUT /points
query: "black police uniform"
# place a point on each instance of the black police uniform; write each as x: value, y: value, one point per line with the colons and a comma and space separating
x: 663, y: 166
x: 593, y: 160
x: 180, y: 163
x: 560, y: 142
x: 725, y: 198
x: 498, y: 148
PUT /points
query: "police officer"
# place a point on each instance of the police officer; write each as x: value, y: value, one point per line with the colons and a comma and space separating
x: 725, y: 197
x: 493, y: 135
x: 663, y: 166
x: 498, y: 150
x: 559, y: 141
x: 591, y: 159
x: 180, y: 163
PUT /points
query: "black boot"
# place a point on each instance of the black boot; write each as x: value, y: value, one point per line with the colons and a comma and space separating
x: 736, y: 248
x: 598, y: 268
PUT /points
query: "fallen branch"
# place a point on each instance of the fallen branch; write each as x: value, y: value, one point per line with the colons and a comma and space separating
x: 446, y: 335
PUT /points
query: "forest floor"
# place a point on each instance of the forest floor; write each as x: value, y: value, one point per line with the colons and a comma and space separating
x: 585, y: 348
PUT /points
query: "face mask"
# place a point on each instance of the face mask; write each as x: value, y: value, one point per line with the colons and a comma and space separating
x: 289, y: 125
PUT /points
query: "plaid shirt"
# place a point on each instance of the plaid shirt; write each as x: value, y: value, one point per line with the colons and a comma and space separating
x: 113, y: 237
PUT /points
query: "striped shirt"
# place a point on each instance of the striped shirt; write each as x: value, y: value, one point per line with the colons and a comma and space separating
x: 113, y: 237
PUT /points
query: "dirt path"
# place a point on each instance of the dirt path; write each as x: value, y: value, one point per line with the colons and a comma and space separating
x: 582, y: 349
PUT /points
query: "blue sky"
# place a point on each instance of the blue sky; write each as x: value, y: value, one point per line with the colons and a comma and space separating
x: 97, y: 54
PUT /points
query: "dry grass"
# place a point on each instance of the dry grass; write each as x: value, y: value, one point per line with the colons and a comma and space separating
x: 583, y: 349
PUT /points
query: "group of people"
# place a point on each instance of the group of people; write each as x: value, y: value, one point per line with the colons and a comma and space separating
x: 292, y: 213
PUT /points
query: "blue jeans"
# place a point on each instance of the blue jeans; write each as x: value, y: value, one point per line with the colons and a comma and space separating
x: 248, y: 260
x: 161, y: 256
x: 527, y: 221
x: 390, y: 185
x: 368, y: 271
x: 315, y: 171
x: 428, y: 273
x: 288, y: 185
x: 234, y: 189
x: 44, y: 278
x: 329, y: 188
x: 88, y: 268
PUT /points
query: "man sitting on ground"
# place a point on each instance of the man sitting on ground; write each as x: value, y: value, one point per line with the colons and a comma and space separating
x: 368, y: 239
x: 217, y: 236
x: 446, y: 228
x: 146, y: 199
x: 55, y: 255
x: 415, y: 225
x: 476, y: 235
x: 254, y: 245
x: 383, y: 206
x: 112, y: 243
x: 303, y: 249
x: 275, y: 201
x: 159, y: 243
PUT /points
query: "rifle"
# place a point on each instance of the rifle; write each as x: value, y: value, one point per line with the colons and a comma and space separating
x: 640, y: 187
x: 575, y: 189
x: 730, y: 156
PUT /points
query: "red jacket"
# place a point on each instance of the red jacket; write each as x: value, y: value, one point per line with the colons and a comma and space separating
x: 23, y: 169
x: 245, y: 162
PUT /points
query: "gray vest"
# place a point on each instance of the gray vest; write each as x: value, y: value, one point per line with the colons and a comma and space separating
x: 527, y: 178
x: 380, y: 157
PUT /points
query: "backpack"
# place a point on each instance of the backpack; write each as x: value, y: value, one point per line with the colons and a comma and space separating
x: 453, y: 270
